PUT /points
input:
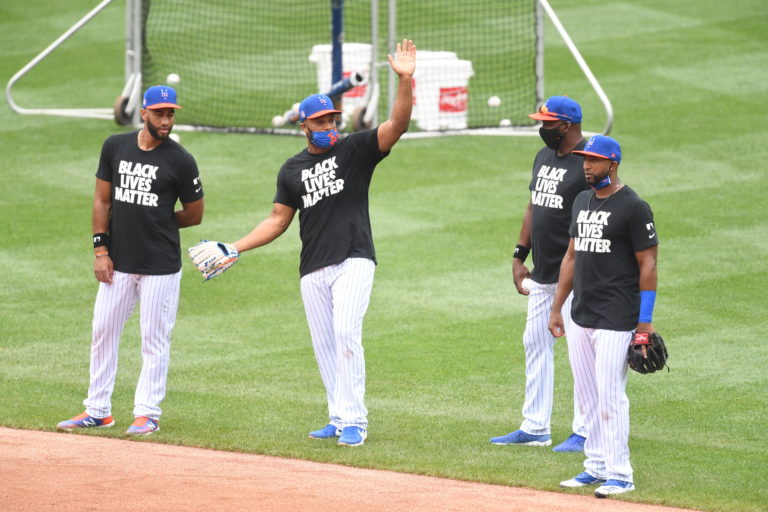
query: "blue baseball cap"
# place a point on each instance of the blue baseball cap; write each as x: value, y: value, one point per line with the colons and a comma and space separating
x: 315, y: 106
x: 160, y: 96
x: 558, y: 108
x: 602, y: 146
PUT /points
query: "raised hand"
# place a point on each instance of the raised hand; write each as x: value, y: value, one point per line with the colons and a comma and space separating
x: 404, y: 62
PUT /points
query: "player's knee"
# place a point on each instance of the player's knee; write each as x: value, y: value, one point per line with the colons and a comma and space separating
x: 348, y: 337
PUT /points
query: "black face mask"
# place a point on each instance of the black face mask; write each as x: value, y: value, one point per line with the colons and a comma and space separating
x: 551, y: 137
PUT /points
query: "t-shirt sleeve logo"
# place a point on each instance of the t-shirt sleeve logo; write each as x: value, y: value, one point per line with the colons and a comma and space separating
x: 651, y: 229
x: 544, y: 192
x: 136, y: 183
x: 320, y: 182
x: 196, y: 183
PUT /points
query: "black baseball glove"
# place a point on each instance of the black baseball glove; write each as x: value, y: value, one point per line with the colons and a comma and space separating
x: 647, y: 352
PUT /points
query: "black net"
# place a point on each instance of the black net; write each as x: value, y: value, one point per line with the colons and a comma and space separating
x: 494, y: 43
x: 241, y: 63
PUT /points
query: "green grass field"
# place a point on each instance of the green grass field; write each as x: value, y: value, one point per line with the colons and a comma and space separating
x: 443, y: 333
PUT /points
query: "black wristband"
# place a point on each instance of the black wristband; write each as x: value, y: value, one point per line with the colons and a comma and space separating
x: 100, y: 239
x: 521, y: 252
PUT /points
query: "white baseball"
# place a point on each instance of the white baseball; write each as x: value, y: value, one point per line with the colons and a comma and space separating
x: 173, y: 79
x: 527, y: 285
x: 277, y: 121
x: 505, y: 122
x: 494, y: 101
x: 175, y: 137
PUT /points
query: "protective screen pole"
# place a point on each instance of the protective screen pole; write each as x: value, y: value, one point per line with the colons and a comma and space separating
x: 337, y: 39
x: 391, y: 40
x: 582, y: 64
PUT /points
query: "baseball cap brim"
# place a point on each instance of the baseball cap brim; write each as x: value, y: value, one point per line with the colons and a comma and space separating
x: 591, y: 153
x: 543, y: 117
x: 323, y: 112
x: 163, y: 105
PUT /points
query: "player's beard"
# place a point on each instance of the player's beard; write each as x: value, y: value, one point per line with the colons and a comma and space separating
x: 153, y: 131
x: 599, y: 182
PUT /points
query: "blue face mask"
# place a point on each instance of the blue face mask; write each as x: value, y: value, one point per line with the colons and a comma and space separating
x: 324, y: 139
x: 602, y: 183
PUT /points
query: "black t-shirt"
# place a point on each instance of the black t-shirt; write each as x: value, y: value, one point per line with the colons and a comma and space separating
x: 330, y: 190
x: 555, y: 183
x: 607, y: 233
x: 143, y: 231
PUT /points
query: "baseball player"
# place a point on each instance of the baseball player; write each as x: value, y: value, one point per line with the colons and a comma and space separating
x: 328, y: 183
x: 611, y: 267
x: 140, y: 177
x: 556, y: 180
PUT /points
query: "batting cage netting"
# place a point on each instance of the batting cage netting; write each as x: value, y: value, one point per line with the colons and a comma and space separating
x: 243, y: 64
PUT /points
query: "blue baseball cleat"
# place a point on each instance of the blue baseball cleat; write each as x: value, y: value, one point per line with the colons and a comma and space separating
x: 612, y: 487
x: 574, y: 443
x: 583, y: 479
x: 326, y: 432
x: 523, y: 438
x: 352, y: 436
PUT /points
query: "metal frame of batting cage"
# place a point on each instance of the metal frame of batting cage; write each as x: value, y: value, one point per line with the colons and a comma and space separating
x: 125, y: 109
x: 541, y: 5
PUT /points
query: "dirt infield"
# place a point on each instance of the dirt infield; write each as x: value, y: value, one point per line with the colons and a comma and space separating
x: 46, y: 471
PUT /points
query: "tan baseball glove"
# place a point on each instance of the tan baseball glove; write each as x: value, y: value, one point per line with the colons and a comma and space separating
x: 213, y: 258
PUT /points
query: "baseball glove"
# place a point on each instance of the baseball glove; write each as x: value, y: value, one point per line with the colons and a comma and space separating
x: 647, y: 352
x: 213, y: 258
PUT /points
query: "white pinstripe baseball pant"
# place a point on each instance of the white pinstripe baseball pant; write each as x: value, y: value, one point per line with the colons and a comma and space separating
x: 335, y: 301
x: 599, y: 363
x: 159, y: 299
x: 540, y: 362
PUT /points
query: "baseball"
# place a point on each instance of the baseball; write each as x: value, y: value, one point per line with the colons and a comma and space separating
x: 505, y: 122
x: 277, y: 121
x: 175, y: 137
x: 173, y: 79
x: 527, y: 284
x: 494, y: 101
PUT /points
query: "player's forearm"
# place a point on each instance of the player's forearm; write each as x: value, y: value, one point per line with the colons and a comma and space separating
x: 268, y: 230
x: 191, y: 214
x: 403, y: 106
x: 525, y: 228
x: 647, y: 284
x: 565, y: 279
x: 390, y: 131
x: 646, y: 262
x: 102, y: 208
x: 100, y: 218
x: 186, y: 219
x: 564, y: 287
x: 647, y: 281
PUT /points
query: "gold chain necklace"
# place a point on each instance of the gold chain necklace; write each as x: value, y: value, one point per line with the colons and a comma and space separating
x: 594, y: 194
